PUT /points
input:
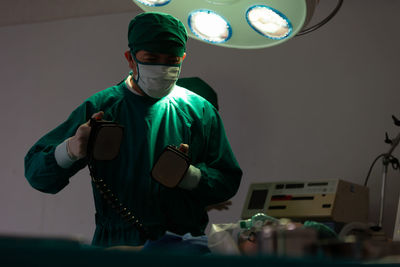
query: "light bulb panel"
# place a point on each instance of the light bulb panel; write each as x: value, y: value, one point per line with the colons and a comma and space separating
x: 240, y: 33
x: 269, y: 22
x: 209, y: 26
x: 154, y: 3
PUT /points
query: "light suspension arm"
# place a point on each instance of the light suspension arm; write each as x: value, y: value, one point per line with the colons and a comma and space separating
x: 324, y: 21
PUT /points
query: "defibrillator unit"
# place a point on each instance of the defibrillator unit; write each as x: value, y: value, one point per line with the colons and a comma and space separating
x: 322, y: 200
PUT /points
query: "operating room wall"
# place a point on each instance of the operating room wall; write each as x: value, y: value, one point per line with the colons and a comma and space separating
x: 315, y: 107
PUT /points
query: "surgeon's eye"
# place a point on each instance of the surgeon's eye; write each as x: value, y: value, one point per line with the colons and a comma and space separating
x: 174, y: 61
x: 150, y: 59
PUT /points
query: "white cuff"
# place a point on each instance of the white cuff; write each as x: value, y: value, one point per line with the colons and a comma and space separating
x: 62, y: 157
x: 191, y: 178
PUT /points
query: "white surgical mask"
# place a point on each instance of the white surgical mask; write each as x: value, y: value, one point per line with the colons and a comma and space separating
x: 156, y: 81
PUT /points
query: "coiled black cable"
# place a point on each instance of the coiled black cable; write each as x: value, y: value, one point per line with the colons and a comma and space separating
x: 324, y: 21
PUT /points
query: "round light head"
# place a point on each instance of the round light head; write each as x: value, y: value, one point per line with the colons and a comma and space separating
x: 154, y: 2
x: 209, y: 26
x: 269, y: 22
x: 247, y: 24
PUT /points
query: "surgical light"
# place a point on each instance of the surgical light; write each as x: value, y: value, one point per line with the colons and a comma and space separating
x: 269, y: 22
x: 154, y: 2
x: 209, y: 26
x: 244, y: 24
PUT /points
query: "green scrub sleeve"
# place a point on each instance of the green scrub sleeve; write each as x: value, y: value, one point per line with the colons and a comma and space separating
x: 41, y: 168
x: 220, y: 172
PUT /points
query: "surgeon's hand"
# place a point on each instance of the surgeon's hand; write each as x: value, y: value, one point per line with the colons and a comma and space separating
x: 184, y: 148
x: 220, y: 206
x: 77, y: 144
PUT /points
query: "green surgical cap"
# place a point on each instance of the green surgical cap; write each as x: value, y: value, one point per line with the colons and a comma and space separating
x: 157, y: 32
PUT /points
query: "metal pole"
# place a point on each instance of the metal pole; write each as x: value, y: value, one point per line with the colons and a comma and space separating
x: 384, y: 173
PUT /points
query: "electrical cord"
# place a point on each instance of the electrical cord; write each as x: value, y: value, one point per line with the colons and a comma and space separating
x: 323, y: 22
x: 372, y: 166
x: 104, y: 190
x: 388, y: 159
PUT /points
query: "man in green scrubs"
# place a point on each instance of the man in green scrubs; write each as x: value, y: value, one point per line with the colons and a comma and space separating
x: 155, y: 113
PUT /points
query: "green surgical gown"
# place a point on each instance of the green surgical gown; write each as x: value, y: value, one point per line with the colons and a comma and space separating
x: 150, y: 125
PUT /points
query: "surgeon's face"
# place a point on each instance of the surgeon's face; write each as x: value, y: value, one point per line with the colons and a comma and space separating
x: 158, y: 58
x: 152, y: 58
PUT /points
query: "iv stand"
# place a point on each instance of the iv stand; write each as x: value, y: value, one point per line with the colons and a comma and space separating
x: 387, y: 159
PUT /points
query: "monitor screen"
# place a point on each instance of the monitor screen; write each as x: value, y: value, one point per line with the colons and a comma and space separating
x: 257, y: 199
